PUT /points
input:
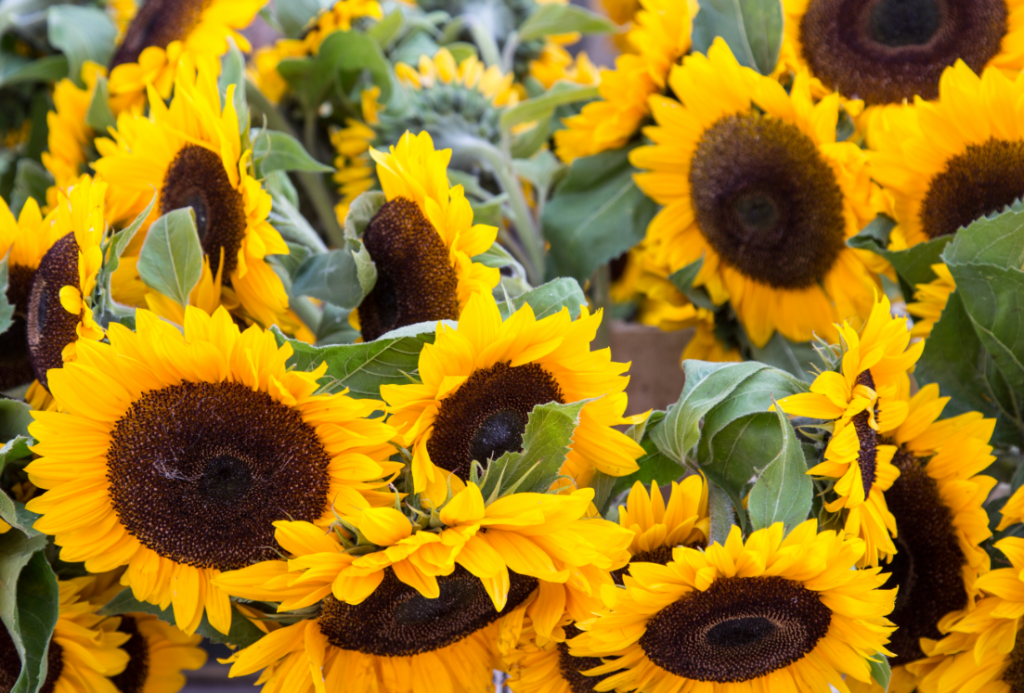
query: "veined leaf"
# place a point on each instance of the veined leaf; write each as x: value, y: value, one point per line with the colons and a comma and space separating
x: 279, y: 151
x: 562, y: 19
x: 783, y: 492
x: 28, y: 604
x: 81, y: 33
x: 171, y: 259
x: 548, y: 299
x: 751, y: 28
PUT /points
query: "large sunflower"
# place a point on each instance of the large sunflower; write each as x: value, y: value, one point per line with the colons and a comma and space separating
x: 190, y: 152
x: 867, y: 398
x: 779, y: 614
x: 422, y: 242
x: 753, y: 181
x: 163, y: 33
x: 481, y: 380
x: 84, y: 651
x: 121, y: 476
x: 661, y: 35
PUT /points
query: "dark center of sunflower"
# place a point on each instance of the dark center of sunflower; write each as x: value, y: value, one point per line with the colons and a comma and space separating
x: 661, y: 555
x: 397, y: 621
x: 415, y: 279
x: 1014, y: 674
x: 867, y: 454
x: 572, y: 668
x: 50, y: 328
x: 196, y: 178
x: 928, y: 563
x: 15, y: 361
x: 10, y: 664
x: 199, y: 471
x: 982, y: 180
x: 885, y: 51
x: 486, y: 417
x: 133, y: 678
x: 158, y: 23
x: 766, y: 201
x: 737, y: 630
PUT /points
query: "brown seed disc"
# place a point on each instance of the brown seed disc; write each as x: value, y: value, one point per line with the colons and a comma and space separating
x: 133, y: 678
x: 10, y: 664
x: 415, y: 279
x: 51, y: 328
x: 1014, y: 674
x: 158, y: 23
x: 15, y: 360
x: 737, y: 630
x: 397, y: 621
x: 885, y: 51
x: 199, y: 471
x: 486, y: 417
x: 867, y: 456
x: 766, y: 201
x: 572, y: 668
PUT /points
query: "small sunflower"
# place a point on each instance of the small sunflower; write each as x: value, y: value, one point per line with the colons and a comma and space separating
x: 277, y: 450
x: 422, y: 242
x: 779, y: 614
x: 753, y: 181
x: 888, y: 51
x: 164, y: 33
x: 481, y: 380
x: 354, y: 170
x: 68, y: 136
x: 555, y: 64
x: 490, y: 82
x: 84, y: 651
x: 949, y: 162
x: 191, y: 153
x: 930, y: 300
x: 661, y: 36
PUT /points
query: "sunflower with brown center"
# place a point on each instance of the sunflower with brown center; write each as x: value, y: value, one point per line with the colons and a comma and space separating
x: 754, y: 182
x: 778, y: 614
x: 427, y: 603
x: 164, y: 33
x: 191, y: 153
x: 85, y: 648
x: 422, y: 242
x: 177, y: 453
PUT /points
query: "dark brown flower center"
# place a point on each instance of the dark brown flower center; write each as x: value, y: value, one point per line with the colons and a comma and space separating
x: 767, y: 201
x: 572, y: 668
x: 867, y: 455
x: 397, y: 621
x: 885, y: 51
x: 982, y: 180
x: 199, y: 471
x: 158, y: 23
x: 51, y: 328
x: 737, y: 630
x: 15, y: 360
x: 133, y: 678
x: 10, y: 664
x: 486, y: 417
x: 415, y: 279
x: 1014, y: 674
x: 928, y: 563
x: 196, y: 178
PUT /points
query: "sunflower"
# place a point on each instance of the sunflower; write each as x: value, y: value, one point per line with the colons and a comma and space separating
x: 867, y: 398
x: 523, y: 556
x: 422, y: 241
x: 121, y: 12
x: 661, y: 35
x: 163, y: 33
x: 765, y: 195
x: 949, y: 162
x: 354, y: 171
x: 555, y: 63
x: 191, y: 153
x: 930, y: 300
x: 84, y: 651
x: 158, y: 652
x: 277, y: 451
x: 470, y: 74
x: 778, y: 614
x: 68, y: 137
x: 888, y: 51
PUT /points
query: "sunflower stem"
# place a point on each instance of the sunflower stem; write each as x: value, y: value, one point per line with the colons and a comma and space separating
x: 312, y: 183
x: 600, y: 292
x: 308, y: 313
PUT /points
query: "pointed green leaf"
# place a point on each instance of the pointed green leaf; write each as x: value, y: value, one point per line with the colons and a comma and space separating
x: 99, y: 117
x: 333, y: 277
x: 880, y: 670
x: 294, y: 15
x: 783, y: 492
x: 361, y: 212
x: 81, y: 33
x: 232, y: 73
x: 15, y: 417
x: 913, y: 265
x: 751, y: 28
x: 171, y: 260
x: 548, y: 299
x: 541, y: 107
x: 278, y: 151
x: 562, y: 19
x: 51, y: 68
x: 28, y: 604
x: 796, y: 358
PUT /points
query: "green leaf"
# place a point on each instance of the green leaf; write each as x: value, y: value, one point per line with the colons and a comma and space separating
x: 738, y: 450
x: 913, y: 265
x: 497, y: 257
x: 52, y: 68
x: 241, y: 634
x: 343, y: 53
x: 28, y: 604
x: 540, y: 107
x: 707, y: 385
x: 563, y: 19
x: 596, y: 214
x: 81, y: 33
x: 880, y: 670
x: 12, y: 451
x: 361, y: 212
x: 30, y: 180
x: 797, y: 358
x: 751, y: 28
x: 546, y: 440
x: 294, y: 15
x: 288, y: 220
x: 171, y: 259
x: 783, y: 492
x: 334, y: 277
x: 722, y: 514
x: 15, y: 417
x: 541, y: 170
x: 117, y: 244
x: 683, y: 280
x: 548, y: 299
x: 995, y: 240
x: 386, y: 30
x: 99, y: 117
x: 6, y: 308
x: 279, y: 151
x: 232, y: 72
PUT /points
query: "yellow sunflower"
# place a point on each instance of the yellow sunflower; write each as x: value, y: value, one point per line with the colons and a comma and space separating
x: 661, y: 36
x: 949, y: 162
x: 190, y: 152
x: 158, y: 653
x: 491, y: 82
x: 84, y: 651
x: 121, y: 12
x: 779, y: 614
x: 867, y: 398
x: 754, y: 183
x: 163, y: 33
x: 930, y: 300
x: 277, y: 450
x: 67, y: 133
x: 353, y: 169
x: 481, y: 380
x: 422, y: 242
x: 555, y: 63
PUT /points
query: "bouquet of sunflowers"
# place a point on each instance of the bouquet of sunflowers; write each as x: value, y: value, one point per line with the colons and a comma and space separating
x: 310, y: 358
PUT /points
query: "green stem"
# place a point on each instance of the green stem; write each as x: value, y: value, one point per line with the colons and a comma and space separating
x: 600, y: 291
x: 312, y: 183
x: 307, y: 312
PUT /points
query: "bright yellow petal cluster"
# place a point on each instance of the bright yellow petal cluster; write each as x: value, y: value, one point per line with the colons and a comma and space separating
x: 491, y: 82
x: 555, y: 63
x: 90, y: 646
x: 930, y: 300
x: 67, y: 132
x: 684, y: 522
x: 354, y: 174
